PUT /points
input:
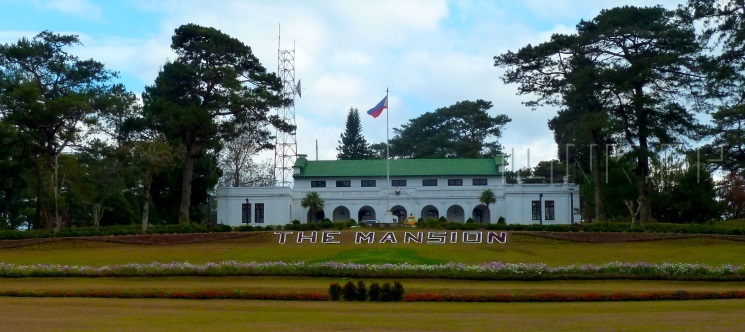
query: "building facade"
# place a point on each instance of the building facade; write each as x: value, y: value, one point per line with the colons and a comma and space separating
x: 422, y: 188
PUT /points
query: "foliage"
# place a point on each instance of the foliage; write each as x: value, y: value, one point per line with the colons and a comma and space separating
x: 374, y: 293
x: 335, y: 291
x: 487, y: 197
x: 352, y: 145
x: 54, y: 100
x: 215, y: 89
x: 632, y: 52
x: 349, y: 291
x: 361, y: 291
x: 313, y: 202
x: 486, y: 271
x: 463, y: 130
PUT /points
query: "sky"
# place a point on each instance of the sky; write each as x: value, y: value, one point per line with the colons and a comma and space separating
x: 428, y: 53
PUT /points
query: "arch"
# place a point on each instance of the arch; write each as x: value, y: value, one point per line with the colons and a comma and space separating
x: 366, y: 213
x: 341, y: 213
x: 430, y: 211
x: 481, y: 214
x: 318, y: 217
x: 455, y: 213
x: 400, y: 212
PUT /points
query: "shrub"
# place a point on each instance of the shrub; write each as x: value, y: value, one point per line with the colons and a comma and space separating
x: 296, y: 222
x: 501, y: 221
x: 351, y: 223
x: 385, y: 293
x: 340, y: 225
x: 432, y: 223
x: 326, y: 224
x: 443, y: 219
x: 374, y: 292
x: 361, y: 291
x: 335, y: 291
x: 349, y: 292
x: 470, y: 221
x: 397, y: 293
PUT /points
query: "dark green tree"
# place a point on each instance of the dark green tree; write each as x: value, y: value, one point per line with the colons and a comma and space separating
x: 646, y: 61
x: 378, y: 150
x: 463, y: 130
x: 51, y: 97
x: 352, y: 145
x: 487, y: 197
x: 214, y: 89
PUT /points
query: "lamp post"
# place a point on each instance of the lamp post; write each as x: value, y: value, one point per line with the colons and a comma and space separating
x: 540, y: 209
x: 571, y: 203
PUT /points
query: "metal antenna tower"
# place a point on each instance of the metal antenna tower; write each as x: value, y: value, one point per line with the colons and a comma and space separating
x: 285, y: 144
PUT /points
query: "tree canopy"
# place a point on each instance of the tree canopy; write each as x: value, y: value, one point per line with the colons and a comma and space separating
x: 463, y: 130
x: 215, y: 88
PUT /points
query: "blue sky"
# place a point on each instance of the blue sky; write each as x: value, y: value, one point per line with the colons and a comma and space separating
x: 429, y: 53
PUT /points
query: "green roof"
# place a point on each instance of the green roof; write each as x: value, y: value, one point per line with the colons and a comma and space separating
x: 399, y: 167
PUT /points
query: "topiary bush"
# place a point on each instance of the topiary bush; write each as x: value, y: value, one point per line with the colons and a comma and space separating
x: 335, y: 291
x: 374, y: 292
x: 361, y: 291
x: 397, y: 293
x: 349, y: 292
x: 385, y: 293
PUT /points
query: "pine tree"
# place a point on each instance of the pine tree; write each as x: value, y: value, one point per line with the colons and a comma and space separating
x: 353, y: 145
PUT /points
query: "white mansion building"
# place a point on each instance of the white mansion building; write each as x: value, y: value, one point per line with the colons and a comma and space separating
x: 423, y: 188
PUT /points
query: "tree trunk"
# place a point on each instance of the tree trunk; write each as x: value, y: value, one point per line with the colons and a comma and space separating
x: 596, y: 178
x: 186, y: 181
x: 643, y: 158
x: 146, y: 204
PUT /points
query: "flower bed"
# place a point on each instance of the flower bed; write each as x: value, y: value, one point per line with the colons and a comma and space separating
x: 487, y: 271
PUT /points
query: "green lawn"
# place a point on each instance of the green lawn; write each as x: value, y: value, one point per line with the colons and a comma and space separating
x: 59, y: 314
x: 519, y: 248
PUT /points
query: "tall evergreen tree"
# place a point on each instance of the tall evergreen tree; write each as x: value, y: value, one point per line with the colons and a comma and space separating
x: 646, y: 61
x: 353, y: 145
x: 214, y: 88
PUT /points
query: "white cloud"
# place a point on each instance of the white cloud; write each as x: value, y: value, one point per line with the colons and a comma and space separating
x: 79, y: 8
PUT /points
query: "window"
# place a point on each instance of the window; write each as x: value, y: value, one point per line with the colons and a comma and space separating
x: 246, y: 213
x: 343, y: 183
x: 368, y: 183
x: 398, y: 183
x: 429, y: 182
x: 259, y: 213
x: 316, y: 184
x: 479, y: 182
x: 455, y: 182
x: 536, y: 210
x: 549, y: 210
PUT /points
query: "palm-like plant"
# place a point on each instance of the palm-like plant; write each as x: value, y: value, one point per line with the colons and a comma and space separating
x: 487, y: 197
x: 313, y: 202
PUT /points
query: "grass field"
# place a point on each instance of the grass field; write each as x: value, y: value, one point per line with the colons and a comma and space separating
x: 61, y: 314
x: 518, y: 249
x: 57, y: 314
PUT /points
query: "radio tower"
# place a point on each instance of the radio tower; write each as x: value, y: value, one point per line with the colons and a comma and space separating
x: 285, y: 144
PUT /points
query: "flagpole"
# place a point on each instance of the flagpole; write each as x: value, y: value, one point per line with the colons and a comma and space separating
x: 387, y: 160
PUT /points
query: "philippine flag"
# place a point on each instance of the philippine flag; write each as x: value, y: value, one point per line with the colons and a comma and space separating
x: 378, y: 109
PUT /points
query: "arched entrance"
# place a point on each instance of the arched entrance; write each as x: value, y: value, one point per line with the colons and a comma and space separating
x: 455, y: 213
x: 430, y: 212
x: 341, y: 213
x: 366, y: 213
x: 317, y: 217
x: 481, y: 214
x: 400, y: 212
